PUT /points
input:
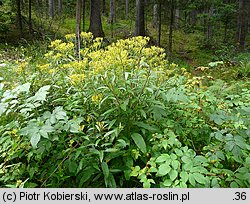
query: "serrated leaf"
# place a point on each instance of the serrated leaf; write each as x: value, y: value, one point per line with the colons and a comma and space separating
x: 139, y: 141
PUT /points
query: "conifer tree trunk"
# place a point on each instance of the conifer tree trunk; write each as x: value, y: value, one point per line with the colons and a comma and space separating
x: 242, y: 24
x: 171, y: 26
x: 83, y: 15
x: 140, y: 19
x: 127, y: 8
x: 159, y: 23
x: 78, y: 28
x: 51, y: 8
x: 95, y: 19
x: 19, y: 18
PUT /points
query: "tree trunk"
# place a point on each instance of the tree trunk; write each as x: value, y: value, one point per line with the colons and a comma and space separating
x: 209, y: 32
x: 155, y: 16
x: 112, y: 16
x: 171, y: 26
x: 103, y: 7
x: 159, y: 24
x: 95, y: 19
x: 140, y: 20
x: 59, y: 6
x: 83, y: 15
x: 177, y: 18
x: 165, y: 12
x: 78, y: 28
x: 242, y: 24
x: 19, y: 18
x: 30, y: 20
x: 51, y: 8
x: 127, y: 8
x: 193, y: 17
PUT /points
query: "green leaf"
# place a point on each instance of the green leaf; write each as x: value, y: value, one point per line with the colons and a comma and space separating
x: 163, y: 158
x: 175, y: 164
x: 105, y: 169
x: 191, y: 179
x: 35, y: 138
x: 184, y: 176
x: 173, y: 174
x: 199, y: 178
x: 186, y: 159
x: 139, y: 141
x: 167, y: 183
x: 164, y: 169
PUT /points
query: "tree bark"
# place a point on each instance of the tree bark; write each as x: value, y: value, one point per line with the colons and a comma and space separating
x: 155, y: 16
x: 59, y: 6
x: 242, y: 24
x: 159, y: 23
x: 112, y: 16
x: 78, y: 28
x: 95, y: 19
x: 171, y: 26
x: 127, y: 8
x: 140, y: 19
x: 30, y: 17
x: 83, y: 15
x: 19, y: 18
x: 51, y: 8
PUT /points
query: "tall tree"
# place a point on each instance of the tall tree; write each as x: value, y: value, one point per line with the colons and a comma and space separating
x: 112, y: 16
x: 30, y: 20
x: 78, y: 27
x: 59, y: 6
x: 19, y: 18
x: 140, y: 18
x: 242, y: 24
x: 159, y: 23
x: 95, y: 19
x: 171, y: 26
x: 126, y: 8
x: 51, y: 8
x: 83, y: 14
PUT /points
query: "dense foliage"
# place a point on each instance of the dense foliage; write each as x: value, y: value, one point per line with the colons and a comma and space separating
x: 120, y: 116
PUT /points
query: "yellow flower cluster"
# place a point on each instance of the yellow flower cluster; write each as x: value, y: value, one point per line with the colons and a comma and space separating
x: 21, y: 67
x: 77, y: 79
x: 44, y: 67
x: 96, y: 98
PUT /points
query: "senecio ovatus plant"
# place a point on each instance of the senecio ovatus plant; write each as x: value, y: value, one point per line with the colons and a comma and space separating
x: 119, y: 115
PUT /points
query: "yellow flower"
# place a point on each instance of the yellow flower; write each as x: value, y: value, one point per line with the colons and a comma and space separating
x: 77, y: 78
x: 96, y: 98
x: 21, y: 68
x: 43, y: 67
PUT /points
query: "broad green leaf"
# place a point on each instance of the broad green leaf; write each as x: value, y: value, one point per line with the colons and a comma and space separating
x: 163, y: 158
x: 173, y: 174
x: 191, y: 179
x: 139, y: 141
x: 175, y: 164
x: 199, y: 178
x: 164, y: 169
x: 186, y: 159
x: 184, y: 176
x: 35, y: 138
x: 167, y: 183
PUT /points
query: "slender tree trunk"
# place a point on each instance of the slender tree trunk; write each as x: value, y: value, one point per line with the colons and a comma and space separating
x: 165, y: 12
x: 242, y: 24
x: 177, y: 18
x: 51, y: 8
x: 127, y: 8
x: 171, y: 26
x: 193, y: 17
x: 30, y: 17
x: 159, y: 24
x: 59, y: 6
x: 78, y: 28
x: 103, y: 7
x: 112, y: 16
x: 209, y: 32
x: 140, y: 19
x: 83, y: 15
x: 155, y: 16
x: 19, y: 18
x: 95, y: 19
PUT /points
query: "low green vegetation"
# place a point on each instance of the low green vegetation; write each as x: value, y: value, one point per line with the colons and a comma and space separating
x: 121, y: 116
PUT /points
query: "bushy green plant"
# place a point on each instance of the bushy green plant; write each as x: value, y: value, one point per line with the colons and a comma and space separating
x: 120, y: 116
